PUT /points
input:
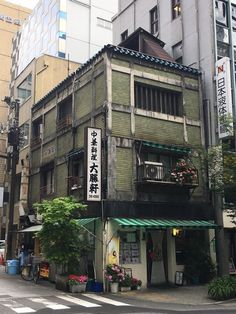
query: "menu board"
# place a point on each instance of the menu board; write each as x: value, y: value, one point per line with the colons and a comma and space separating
x: 129, y: 249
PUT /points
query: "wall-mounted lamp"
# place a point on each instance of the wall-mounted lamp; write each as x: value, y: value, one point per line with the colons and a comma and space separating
x: 176, y: 232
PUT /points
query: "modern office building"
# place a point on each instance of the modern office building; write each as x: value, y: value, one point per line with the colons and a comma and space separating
x: 73, y: 30
x: 11, y: 18
x: 200, y: 34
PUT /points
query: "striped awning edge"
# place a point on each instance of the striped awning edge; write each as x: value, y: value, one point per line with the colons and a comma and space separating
x: 165, y: 223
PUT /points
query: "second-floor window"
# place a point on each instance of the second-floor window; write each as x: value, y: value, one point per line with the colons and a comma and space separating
x: 152, y: 98
x: 47, y: 183
x: 124, y: 35
x: 25, y: 88
x: 176, y: 9
x: 154, y: 21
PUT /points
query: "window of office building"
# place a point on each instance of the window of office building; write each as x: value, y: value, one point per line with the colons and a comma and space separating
x: 104, y: 23
x: 25, y: 88
x: 154, y: 20
x: 221, y: 12
x: 176, y: 9
x: 155, y: 99
x: 124, y: 35
x: 24, y: 135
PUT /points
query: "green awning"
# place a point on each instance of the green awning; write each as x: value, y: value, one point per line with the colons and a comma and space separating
x: 165, y: 223
x: 169, y: 148
x: 85, y: 221
x: 35, y: 228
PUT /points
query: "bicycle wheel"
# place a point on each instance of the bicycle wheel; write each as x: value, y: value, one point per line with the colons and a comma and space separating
x: 26, y: 273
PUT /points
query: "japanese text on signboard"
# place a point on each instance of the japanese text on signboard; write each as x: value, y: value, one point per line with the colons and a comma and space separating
x: 224, y: 98
x: 94, y: 164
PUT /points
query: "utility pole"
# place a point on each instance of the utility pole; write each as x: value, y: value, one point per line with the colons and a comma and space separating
x: 13, y: 141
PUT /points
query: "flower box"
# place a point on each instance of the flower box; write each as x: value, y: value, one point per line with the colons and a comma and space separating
x: 79, y: 287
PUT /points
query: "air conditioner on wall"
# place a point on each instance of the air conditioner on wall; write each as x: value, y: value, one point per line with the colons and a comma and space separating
x: 153, y: 170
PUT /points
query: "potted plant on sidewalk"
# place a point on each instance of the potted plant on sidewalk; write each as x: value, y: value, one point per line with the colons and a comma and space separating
x: 125, y: 284
x: 77, y: 283
x: 136, y: 284
x: 114, y: 274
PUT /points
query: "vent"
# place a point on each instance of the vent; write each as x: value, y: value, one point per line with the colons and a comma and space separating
x: 153, y: 170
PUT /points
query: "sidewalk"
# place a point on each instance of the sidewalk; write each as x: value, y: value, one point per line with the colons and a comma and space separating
x: 186, y: 295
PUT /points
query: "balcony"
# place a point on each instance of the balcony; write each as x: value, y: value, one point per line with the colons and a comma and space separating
x: 75, y: 183
x: 64, y: 122
x: 35, y: 141
x: 157, y: 173
x: 47, y: 191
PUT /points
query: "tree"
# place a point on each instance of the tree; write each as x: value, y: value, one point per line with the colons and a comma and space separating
x: 61, y: 235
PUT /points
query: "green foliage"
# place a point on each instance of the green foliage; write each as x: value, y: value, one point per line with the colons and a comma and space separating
x: 126, y: 281
x: 222, y: 288
x: 198, y: 263
x: 61, y: 236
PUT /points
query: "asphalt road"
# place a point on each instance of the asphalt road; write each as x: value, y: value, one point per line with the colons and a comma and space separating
x: 19, y: 296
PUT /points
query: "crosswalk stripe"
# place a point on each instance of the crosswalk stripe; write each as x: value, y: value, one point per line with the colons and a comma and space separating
x: 77, y: 301
x: 22, y: 310
x: 105, y: 300
x: 49, y: 304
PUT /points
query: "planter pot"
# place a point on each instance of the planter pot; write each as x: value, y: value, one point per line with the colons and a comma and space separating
x: 80, y: 287
x: 138, y: 288
x: 125, y: 289
x: 61, y: 282
x: 114, y: 287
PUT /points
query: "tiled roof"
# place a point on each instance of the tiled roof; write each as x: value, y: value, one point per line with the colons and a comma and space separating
x: 119, y: 51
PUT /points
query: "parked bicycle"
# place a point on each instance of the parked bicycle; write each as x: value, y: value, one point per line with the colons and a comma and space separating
x: 35, y: 269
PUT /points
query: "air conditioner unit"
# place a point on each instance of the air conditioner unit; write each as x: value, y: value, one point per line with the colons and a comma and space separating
x: 153, y: 170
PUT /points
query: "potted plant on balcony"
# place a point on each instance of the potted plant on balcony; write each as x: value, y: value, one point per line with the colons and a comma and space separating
x: 183, y: 173
x: 77, y: 283
x: 114, y: 274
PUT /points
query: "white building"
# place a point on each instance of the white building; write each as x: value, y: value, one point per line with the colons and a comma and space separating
x: 69, y: 29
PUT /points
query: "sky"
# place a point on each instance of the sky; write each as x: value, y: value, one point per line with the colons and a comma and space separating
x: 25, y: 3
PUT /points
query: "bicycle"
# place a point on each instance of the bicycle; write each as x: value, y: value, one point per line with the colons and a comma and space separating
x: 30, y: 272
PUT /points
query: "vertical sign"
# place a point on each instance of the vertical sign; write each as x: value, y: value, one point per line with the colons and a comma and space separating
x: 93, y: 164
x: 224, y: 97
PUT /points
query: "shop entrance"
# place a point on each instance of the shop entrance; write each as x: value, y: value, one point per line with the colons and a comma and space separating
x: 156, y: 257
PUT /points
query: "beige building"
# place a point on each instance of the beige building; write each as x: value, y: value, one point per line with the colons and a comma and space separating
x: 37, y: 79
x: 11, y: 18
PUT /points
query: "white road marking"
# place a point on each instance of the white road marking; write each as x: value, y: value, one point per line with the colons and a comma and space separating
x: 49, y: 304
x: 105, y: 300
x: 22, y: 310
x: 77, y: 301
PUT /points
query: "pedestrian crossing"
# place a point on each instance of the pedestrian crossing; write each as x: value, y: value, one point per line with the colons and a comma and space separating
x: 63, y: 302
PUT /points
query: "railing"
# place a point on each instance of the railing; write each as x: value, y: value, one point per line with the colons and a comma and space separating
x: 35, y: 141
x: 64, y: 122
x: 47, y: 191
x: 158, y: 173
x: 75, y: 183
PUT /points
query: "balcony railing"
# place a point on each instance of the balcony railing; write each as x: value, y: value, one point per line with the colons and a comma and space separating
x: 64, y: 122
x: 158, y: 173
x: 35, y: 141
x: 75, y: 183
x: 46, y: 191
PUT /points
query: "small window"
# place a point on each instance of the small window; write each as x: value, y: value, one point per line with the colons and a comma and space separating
x: 176, y: 9
x: 154, y: 21
x: 177, y: 52
x: 152, y: 98
x: 221, y: 12
x: 104, y: 23
x: 47, y: 181
x: 24, y: 135
x: 124, y: 35
x: 25, y: 88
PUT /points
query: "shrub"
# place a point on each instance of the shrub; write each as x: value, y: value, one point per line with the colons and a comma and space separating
x: 222, y: 288
x: 126, y: 282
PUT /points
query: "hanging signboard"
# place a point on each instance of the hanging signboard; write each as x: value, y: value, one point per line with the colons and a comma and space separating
x: 93, y: 164
x: 224, y: 97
